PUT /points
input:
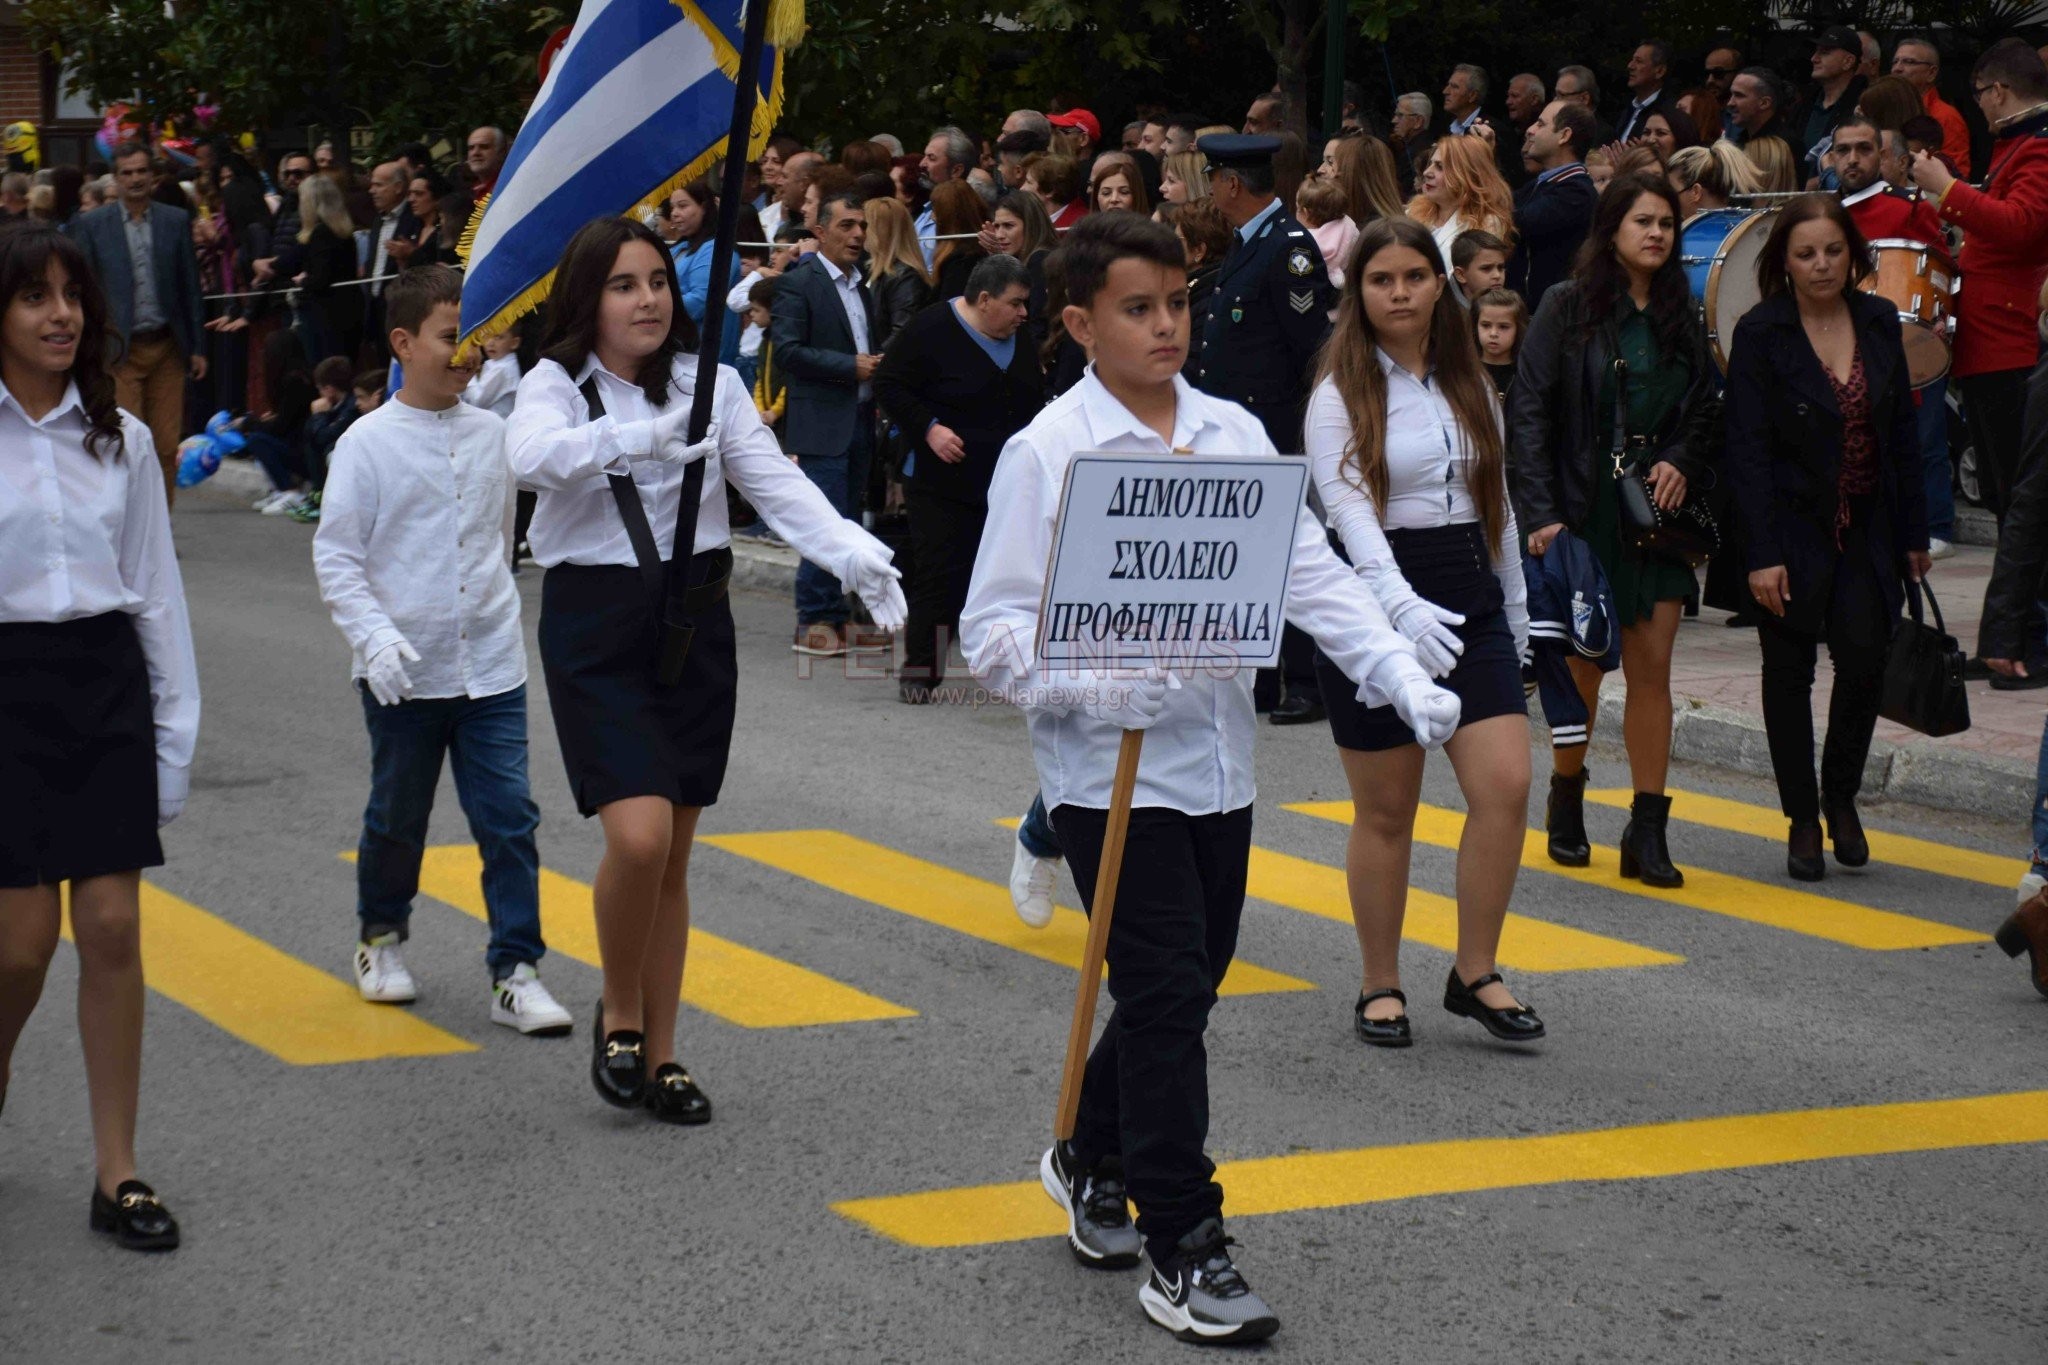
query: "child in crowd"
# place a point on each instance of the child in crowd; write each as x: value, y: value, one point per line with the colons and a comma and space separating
x: 411, y: 557
x: 331, y: 414
x: 1479, y: 262
x: 1320, y: 204
x: 771, y: 392
x: 1499, y: 321
x: 369, y: 392
x: 1144, y: 1111
x: 497, y: 379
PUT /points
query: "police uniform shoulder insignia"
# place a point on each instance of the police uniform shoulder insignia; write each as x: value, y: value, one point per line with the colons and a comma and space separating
x: 1299, y: 262
x: 1301, y: 300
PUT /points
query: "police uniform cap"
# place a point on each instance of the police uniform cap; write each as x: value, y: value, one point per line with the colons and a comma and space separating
x: 1228, y: 150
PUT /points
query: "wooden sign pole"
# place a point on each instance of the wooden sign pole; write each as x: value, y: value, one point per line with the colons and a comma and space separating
x: 1102, y: 906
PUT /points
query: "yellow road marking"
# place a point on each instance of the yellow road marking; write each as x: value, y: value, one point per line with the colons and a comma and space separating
x: 728, y: 979
x: 268, y: 998
x: 952, y: 900
x: 981, y: 1214
x: 1525, y: 944
x: 1900, y: 850
x: 1798, y: 912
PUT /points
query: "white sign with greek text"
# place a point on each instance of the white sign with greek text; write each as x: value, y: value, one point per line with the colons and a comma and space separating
x: 1175, y: 561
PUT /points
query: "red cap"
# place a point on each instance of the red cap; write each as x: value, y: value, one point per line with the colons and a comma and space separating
x: 1079, y: 118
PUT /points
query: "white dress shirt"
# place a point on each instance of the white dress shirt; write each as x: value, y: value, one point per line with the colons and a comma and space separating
x: 495, y: 387
x: 415, y: 544
x: 846, y: 284
x: 82, y: 535
x: 558, y: 451
x: 1198, y: 757
x: 1428, y: 458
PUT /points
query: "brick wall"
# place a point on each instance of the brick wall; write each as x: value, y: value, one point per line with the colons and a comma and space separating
x: 21, y: 89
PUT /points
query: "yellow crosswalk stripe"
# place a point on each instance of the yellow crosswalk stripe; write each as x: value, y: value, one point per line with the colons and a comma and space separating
x: 1016, y: 1211
x: 1526, y: 944
x: 1798, y: 912
x: 952, y: 900
x: 1900, y: 850
x: 268, y: 998
x: 728, y: 979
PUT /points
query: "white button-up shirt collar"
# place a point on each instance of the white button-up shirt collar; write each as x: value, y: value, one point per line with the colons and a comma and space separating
x: 1198, y: 757
x: 415, y: 544
x: 846, y: 284
x: 82, y: 535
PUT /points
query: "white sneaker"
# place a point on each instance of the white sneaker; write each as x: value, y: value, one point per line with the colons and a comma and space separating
x: 520, y: 1001
x: 289, y: 502
x: 380, y: 972
x: 2029, y: 887
x: 1938, y: 548
x: 264, y: 503
x: 1033, y: 883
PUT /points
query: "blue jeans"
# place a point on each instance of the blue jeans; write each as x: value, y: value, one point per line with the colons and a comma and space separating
x: 485, y: 738
x: 819, y: 596
x: 1941, y: 496
x: 1040, y: 842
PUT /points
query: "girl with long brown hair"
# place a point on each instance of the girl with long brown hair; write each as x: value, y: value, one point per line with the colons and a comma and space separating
x: 957, y: 213
x: 1363, y: 167
x: 1409, y: 451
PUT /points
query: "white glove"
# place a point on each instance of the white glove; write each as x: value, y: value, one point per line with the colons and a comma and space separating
x: 672, y: 443
x: 385, y: 673
x: 1127, y: 701
x: 1428, y: 627
x: 168, y: 808
x: 1428, y: 710
x: 878, y: 583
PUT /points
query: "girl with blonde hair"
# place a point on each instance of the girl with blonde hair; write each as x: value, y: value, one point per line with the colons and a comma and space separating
x: 1363, y: 167
x: 1184, y: 178
x: 1774, y: 162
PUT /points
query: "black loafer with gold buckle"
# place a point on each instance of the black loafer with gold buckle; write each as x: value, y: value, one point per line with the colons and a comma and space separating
x: 673, y: 1097
x: 135, y: 1217
x: 618, y: 1064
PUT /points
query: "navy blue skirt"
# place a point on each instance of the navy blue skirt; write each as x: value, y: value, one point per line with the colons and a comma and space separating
x: 1452, y: 567
x: 77, y: 752
x: 623, y: 733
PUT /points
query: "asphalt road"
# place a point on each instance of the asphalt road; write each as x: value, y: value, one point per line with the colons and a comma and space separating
x: 475, y: 1201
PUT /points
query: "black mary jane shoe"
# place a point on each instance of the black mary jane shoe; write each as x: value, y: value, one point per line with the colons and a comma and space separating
x: 1517, y: 1025
x: 1392, y: 1032
x: 1845, y: 830
x: 134, y: 1217
x: 1297, y: 708
x: 618, y: 1064
x: 1803, y: 860
x: 673, y: 1097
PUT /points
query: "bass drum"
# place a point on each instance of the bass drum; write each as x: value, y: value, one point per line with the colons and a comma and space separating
x: 1699, y: 239
x: 1731, y: 281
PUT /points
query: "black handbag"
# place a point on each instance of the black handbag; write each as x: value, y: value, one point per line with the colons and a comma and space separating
x: 1687, y: 533
x: 1923, y: 677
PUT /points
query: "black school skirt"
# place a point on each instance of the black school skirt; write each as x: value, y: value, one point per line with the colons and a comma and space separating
x: 77, y: 752
x: 1450, y: 566
x: 623, y: 733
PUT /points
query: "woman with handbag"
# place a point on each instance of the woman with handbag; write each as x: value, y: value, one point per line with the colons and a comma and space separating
x: 1823, y: 454
x: 1616, y: 420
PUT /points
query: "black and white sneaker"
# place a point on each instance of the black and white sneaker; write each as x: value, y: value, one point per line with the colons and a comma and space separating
x: 1099, y: 1230
x: 1199, y: 1296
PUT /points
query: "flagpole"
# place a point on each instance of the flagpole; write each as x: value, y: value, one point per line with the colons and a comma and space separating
x: 744, y: 94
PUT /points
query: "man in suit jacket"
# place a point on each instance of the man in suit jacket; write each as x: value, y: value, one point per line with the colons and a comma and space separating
x: 823, y: 318
x: 141, y: 253
x: 1648, y: 70
x: 1554, y: 211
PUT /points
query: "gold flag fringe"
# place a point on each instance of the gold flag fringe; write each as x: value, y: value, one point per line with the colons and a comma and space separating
x: 786, y: 28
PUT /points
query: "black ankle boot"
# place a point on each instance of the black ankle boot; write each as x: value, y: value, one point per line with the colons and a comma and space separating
x: 1564, y: 820
x: 1803, y: 862
x: 1852, y: 845
x: 1643, y: 853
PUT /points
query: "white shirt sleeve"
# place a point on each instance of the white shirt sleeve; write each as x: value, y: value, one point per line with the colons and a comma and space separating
x: 553, y: 443
x: 1327, y: 436
x: 149, y: 569
x: 786, y: 499
x: 999, y: 624
x: 1507, y: 557
x: 341, y: 545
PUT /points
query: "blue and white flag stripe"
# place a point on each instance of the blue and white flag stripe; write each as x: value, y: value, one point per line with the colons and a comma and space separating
x: 639, y: 99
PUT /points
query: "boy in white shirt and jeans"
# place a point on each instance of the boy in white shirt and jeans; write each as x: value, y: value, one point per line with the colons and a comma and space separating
x: 1144, y: 1116
x: 413, y: 559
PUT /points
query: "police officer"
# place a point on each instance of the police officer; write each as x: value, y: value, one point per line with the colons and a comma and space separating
x: 1267, y: 321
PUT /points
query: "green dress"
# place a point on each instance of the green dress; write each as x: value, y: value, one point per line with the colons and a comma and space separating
x: 1656, y: 386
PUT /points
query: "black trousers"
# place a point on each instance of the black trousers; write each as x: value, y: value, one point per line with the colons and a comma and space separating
x: 1994, y: 403
x: 944, y: 536
x: 1145, y: 1095
x: 1858, y: 630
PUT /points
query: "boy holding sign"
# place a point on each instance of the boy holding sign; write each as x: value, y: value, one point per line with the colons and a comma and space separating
x: 1144, y: 1101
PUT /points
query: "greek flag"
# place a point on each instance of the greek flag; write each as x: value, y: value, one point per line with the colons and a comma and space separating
x: 637, y: 102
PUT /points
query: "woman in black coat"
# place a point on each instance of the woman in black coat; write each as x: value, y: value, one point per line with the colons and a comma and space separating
x: 1626, y: 301
x: 960, y: 379
x: 1823, y: 455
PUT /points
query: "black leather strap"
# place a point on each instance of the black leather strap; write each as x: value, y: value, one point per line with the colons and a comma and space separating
x: 631, y: 510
